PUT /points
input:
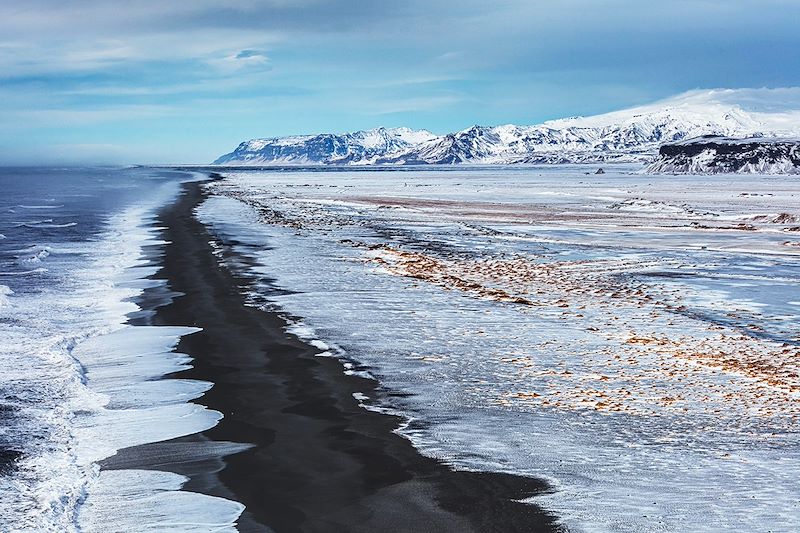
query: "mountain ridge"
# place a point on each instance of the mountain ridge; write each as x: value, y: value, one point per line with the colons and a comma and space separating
x: 629, y: 135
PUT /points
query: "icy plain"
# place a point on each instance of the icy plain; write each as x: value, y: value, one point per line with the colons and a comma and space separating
x: 631, y: 338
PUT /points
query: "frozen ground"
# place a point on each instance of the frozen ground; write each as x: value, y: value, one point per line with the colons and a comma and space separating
x: 633, y: 339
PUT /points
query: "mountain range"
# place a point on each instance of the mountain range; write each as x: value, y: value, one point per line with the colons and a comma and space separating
x: 630, y: 135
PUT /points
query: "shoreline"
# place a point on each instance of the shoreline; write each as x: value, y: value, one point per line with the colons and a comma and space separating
x: 314, y: 460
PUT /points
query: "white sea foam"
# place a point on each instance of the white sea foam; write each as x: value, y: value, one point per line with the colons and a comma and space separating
x: 5, y: 292
x: 35, y: 255
x: 142, y: 500
x: 24, y: 272
x: 51, y: 226
x: 19, y: 224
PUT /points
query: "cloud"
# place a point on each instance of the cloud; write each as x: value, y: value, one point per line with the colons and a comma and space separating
x: 275, y: 66
x: 505, y: 36
x: 252, y: 60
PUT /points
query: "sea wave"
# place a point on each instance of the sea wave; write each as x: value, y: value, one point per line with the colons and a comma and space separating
x: 38, y: 225
x: 24, y: 272
x: 5, y: 292
x: 35, y: 254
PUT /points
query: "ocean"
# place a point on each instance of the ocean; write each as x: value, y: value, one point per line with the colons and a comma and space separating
x: 78, y: 382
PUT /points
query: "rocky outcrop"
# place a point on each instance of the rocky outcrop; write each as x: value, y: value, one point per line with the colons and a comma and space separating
x: 716, y: 155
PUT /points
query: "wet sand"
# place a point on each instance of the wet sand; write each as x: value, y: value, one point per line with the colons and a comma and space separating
x: 318, y: 461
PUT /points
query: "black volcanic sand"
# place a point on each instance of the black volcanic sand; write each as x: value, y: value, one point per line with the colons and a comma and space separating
x: 319, y: 462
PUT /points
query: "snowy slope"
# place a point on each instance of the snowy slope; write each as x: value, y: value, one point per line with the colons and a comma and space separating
x: 326, y: 148
x: 628, y: 135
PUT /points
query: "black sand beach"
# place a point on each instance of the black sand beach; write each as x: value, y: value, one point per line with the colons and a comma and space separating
x: 319, y: 462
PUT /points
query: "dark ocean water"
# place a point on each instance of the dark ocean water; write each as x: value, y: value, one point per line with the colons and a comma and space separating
x: 41, y: 207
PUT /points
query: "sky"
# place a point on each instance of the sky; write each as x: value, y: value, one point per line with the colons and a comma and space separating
x: 176, y: 81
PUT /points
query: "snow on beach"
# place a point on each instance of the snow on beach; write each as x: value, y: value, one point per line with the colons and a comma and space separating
x: 630, y: 338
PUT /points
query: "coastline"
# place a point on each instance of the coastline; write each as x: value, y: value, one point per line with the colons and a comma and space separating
x: 315, y: 460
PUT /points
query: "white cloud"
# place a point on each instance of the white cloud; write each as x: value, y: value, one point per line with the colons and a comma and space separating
x: 248, y: 59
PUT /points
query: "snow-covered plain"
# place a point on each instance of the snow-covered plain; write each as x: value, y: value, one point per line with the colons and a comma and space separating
x: 632, y: 339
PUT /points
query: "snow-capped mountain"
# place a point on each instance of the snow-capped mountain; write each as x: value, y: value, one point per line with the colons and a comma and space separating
x: 630, y: 135
x: 714, y: 155
x: 359, y: 147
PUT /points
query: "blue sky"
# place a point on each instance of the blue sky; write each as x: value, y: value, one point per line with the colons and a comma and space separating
x: 175, y: 81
